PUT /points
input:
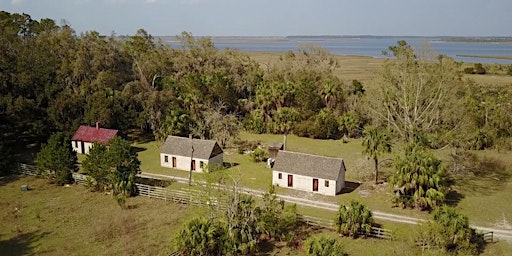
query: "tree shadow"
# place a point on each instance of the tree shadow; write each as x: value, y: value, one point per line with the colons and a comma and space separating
x: 453, y: 198
x: 266, y: 247
x: 482, y: 177
x: 137, y: 149
x: 21, y: 244
x: 230, y: 164
x: 350, y: 186
x: 8, y: 179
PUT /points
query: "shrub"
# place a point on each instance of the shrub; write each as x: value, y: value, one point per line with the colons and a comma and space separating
x: 450, y: 231
x: 254, y: 122
x: 479, y: 69
x: 353, y: 219
x: 323, y: 246
x: 469, y: 70
x: 259, y: 155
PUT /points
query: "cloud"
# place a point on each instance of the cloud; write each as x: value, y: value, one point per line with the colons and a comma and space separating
x: 16, y: 2
x: 150, y: 1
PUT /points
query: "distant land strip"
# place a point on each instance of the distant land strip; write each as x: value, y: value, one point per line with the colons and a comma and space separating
x: 477, y: 39
x: 486, y: 56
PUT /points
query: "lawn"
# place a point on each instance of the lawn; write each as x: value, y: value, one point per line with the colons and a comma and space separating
x: 53, y: 220
x: 474, y: 194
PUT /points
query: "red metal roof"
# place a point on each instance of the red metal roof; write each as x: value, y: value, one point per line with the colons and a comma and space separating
x: 93, y: 134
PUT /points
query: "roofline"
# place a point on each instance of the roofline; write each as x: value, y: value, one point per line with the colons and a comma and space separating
x: 187, y: 138
x: 306, y: 154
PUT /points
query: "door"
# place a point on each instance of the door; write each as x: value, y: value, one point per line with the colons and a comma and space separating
x: 173, y: 162
x: 290, y: 180
x: 315, y: 184
x: 193, y: 165
x: 82, y: 145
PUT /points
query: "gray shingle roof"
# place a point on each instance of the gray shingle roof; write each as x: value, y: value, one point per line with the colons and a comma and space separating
x: 309, y: 165
x: 180, y: 146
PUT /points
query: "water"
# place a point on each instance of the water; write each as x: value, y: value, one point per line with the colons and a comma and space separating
x: 372, y: 46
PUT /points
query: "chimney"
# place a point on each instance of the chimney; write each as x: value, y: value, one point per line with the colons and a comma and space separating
x: 98, y: 125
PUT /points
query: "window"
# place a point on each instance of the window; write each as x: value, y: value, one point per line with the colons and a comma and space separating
x: 280, y: 176
x: 166, y: 159
x: 201, y: 164
x: 174, y: 162
x: 326, y: 183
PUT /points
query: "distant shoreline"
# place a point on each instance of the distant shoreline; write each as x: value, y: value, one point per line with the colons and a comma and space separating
x: 270, y: 39
x: 486, y: 56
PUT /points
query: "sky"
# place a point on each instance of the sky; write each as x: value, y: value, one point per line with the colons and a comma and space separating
x: 276, y: 17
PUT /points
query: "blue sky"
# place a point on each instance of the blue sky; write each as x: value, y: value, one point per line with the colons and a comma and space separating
x: 277, y: 17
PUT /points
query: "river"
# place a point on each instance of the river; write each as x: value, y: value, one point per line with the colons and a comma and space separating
x: 370, y: 46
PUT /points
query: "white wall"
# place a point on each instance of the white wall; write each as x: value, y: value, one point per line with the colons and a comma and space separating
x: 304, y: 183
x: 183, y: 162
x: 78, y: 148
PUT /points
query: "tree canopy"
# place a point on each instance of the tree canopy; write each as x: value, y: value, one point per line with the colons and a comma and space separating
x: 57, y: 160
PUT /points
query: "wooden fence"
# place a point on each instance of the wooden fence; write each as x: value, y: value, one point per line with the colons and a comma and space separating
x: 488, y: 237
x: 329, y: 224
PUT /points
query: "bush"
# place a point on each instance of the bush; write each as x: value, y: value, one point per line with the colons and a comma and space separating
x: 323, y: 246
x: 254, y: 122
x: 479, y: 69
x: 469, y: 70
x: 259, y: 155
x: 325, y: 126
x: 243, y: 145
x: 450, y: 232
x: 200, y: 236
x: 57, y: 160
x: 353, y: 219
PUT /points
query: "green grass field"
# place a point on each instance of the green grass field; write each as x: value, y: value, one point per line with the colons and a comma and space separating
x: 484, y: 198
x: 53, y: 220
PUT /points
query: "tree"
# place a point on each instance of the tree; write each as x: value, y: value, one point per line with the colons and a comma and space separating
x: 414, y: 90
x: 200, y: 236
x: 323, y: 246
x: 57, y: 160
x: 126, y: 166
x: 222, y: 127
x: 450, y: 231
x: 376, y: 141
x: 97, y: 165
x: 275, y: 219
x: 353, y: 220
x: 349, y: 124
x: 113, y: 167
x: 419, y: 180
x: 7, y: 162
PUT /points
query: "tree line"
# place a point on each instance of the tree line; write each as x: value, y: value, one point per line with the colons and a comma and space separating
x: 52, y: 79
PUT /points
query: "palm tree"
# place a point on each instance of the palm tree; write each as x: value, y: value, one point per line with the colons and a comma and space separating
x: 419, y: 180
x: 376, y: 141
x: 200, y: 236
x: 353, y: 219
